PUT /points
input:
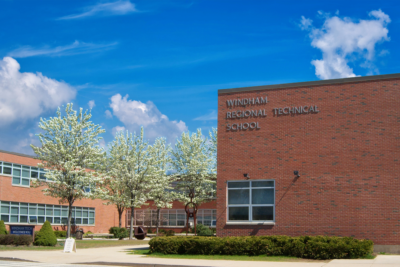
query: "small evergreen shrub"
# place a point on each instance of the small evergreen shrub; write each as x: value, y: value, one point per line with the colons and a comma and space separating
x: 119, y: 233
x: 203, y: 230
x: 170, y: 233
x: 311, y: 247
x: 60, y: 234
x: 46, y: 236
x: 149, y: 231
x: 16, y: 240
x: 3, y: 230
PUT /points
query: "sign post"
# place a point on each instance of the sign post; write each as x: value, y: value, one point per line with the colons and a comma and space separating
x: 70, y: 245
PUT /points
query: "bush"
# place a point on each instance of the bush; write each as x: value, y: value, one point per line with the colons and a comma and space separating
x: 3, y: 230
x: 149, y: 231
x: 311, y: 247
x: 46, y: 236
x: 17, y: 240
x: 170, y: 233
x: 119, y: 233
x: 60, y: 234
x: 203, y: 230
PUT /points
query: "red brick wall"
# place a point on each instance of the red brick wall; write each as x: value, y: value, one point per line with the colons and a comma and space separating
x: 347, y: 155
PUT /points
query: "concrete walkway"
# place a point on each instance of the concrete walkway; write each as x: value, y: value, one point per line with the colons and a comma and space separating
x: 117, y: 256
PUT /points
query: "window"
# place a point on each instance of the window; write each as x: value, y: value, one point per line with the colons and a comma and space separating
x: 250, y: 201
x: 22, y: 174
x: 206, y: 217
x: 15, y: 212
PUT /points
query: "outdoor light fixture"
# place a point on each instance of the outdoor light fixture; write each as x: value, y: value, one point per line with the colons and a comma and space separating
x: 246, y: 175
x: 297, y: 173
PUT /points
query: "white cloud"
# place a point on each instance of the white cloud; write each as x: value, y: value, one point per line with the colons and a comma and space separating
x: 117, y: 129
x: 135, y: 114
x: 25, y: 96
x: 108, y: 114
x: 305, y: 23
x: 91, y: 104
x: 213, y: 115
x: 342, y: 40
x: 76, y: 48
x: 121, y: 7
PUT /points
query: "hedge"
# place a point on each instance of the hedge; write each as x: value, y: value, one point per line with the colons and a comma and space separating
x: 119, y: 233
x: 16, y: 240
x: 310, y: 247
x: 60, y: 234
x: 46, y: 236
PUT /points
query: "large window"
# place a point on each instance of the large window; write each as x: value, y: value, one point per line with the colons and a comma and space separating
x: 21, y: 174
x: 251, y: 201
x: 207, y: 217
x: 17, y: 212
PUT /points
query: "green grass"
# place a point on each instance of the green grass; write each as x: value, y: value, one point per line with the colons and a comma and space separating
x: 145, y: 252
x: 80, y: 244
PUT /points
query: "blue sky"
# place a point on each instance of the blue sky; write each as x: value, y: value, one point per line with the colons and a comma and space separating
x: 171, y: 57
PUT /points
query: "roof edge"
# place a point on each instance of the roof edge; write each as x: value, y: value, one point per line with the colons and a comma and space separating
x: 312, y: 83
x: 18, y: 154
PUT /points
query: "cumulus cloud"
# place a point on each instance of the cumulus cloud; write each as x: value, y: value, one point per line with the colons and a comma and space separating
x: 76, y: 48
x: 213, y: 115
x: 134, y: 114
x: 108, y: 114
x: 117, y: 129
x: 25, y: 96
x: 121, y: 7
x: 343, y: 40
x: 91, y: 104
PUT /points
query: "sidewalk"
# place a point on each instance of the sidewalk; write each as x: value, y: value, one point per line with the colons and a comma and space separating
x: 117, y: 256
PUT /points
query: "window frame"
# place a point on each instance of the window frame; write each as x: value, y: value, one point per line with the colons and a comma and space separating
x: 250, y: 205
x: 21, y: 168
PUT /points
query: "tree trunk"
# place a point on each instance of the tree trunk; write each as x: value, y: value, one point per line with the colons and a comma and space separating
x: 158, y: 221
x: 120, y: 211
x: 131, y: 227
x: 69, y: 219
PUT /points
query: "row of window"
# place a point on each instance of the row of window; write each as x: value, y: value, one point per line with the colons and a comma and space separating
x: 18, y: 212
x: 170, y: 217
x: 21, y: 174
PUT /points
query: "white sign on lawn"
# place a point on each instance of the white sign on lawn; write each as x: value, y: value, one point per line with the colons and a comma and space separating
x: 70, y: 245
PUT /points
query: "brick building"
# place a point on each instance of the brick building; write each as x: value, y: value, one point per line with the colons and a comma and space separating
x: 311, y: 158
x: 22, y: 204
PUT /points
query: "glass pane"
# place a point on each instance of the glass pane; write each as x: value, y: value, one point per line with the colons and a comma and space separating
x: 33, y: 219
x: 23, y: 219
x: 16, y: 180
x: 25, y: 182
x: 34, y: 174
x: 49, y: 211
x: 5, y: 209
x: 41, y: 176
x: 64, y: 212
x: 40, y: 211
x: 14, y: 210
x: 78, y: 221
x: 26, y: 167
x: 239, y: 196
x: 172, y: 220
x: 40, y: 219
x: 7, y: 164
x: 34, y: 168
x: 25, y: 173
x: 262, y: 196
x: 263, y: 213
x: 7, y: 170
x: 32, y: 210
x: 85, y: 213
x: 85, y: 221
x: 238, y: 213
x: 14, y: 218
x: 64, y: 220
x: 180, y: 223
x: 16, y: 172
x: 57, y: 220
x: 23, y: 210
x: 78, y: 212
x: 1, y: 168
x: 263, y: 184
x: 91, y: 214
x: 238, y: 184
x: 5, y: 218
x: 57, y: 212
x: 17, y: 165
x: 91, y: 220
x: 50, y: 219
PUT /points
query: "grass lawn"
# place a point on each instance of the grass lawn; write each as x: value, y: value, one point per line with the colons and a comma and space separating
x: 145, y: 252
x: 82, y: 244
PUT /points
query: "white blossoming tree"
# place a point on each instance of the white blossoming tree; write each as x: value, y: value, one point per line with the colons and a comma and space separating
x: 195, y: 169
x: 69, y: 148
x: 134, y: 163
x: 162, y: 194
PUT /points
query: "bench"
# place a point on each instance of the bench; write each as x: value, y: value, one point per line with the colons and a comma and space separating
x: 98, y: 235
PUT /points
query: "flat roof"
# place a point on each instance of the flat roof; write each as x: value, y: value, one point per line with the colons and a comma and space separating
x: 313, y: 83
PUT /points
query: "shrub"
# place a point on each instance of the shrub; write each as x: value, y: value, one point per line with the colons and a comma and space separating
x: 203, y: 230
x: 170, y: 233
x: 3, y: 230
x: 46, y: 236
x: 149, y: 231
x: 17, y: 240
x: 7, y: 239
x: 119, y: 233
x: 312, y: 247
x: 60, y: 234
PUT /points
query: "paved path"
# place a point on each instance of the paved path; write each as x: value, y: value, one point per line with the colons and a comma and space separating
x: 117, y: 256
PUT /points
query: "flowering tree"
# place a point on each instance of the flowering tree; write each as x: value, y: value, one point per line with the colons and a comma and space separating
x: 162, y: 193
x: 69, y: 148
x: 195, y: 170
x: 134, y: 163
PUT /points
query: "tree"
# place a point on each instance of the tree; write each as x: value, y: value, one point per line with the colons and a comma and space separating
x: 162, y: 194
x: 69, y: 148
x: 134, y: 162
x: 195, y: 169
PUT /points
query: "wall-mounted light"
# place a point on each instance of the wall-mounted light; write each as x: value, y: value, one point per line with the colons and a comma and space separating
x: 296, y: 173
x: 246, y: 175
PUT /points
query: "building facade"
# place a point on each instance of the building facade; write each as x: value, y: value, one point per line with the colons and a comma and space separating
x: 311, y: 158
x: 22, y: 204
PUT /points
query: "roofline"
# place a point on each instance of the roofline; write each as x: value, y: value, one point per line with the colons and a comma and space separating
x: 18, y: 154
x: 312, y: 83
